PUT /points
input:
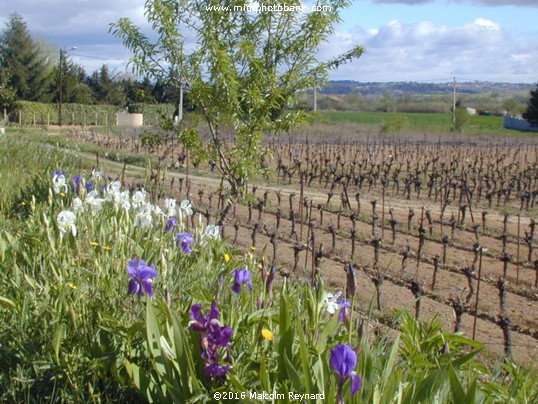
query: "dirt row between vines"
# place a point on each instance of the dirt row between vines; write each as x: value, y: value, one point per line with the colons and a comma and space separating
x: 395, y: 291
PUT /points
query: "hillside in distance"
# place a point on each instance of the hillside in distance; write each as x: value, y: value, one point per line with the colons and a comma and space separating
x: 420, y: 88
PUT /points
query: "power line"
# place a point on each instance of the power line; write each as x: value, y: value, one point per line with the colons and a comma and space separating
x: 97, y: 57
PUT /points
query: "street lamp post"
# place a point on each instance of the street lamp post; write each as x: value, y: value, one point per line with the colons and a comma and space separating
x: 60, y: 84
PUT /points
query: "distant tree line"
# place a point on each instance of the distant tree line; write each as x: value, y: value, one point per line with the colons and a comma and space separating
x: 30, y: 71
x: 389, y: 101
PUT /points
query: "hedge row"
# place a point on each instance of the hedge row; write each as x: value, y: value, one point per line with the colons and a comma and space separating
x: 35, y: 113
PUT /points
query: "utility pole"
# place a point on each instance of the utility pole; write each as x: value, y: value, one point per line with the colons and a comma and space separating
x: 454, y: 104
x: 180, y: 105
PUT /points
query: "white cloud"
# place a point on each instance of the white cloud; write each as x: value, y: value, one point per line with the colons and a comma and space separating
x: 478, y: 50
x: 62, y: 22
x: 482, y: 22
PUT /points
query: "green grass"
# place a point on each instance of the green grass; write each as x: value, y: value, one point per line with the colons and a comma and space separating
x: 434, y: 122
x: 57, y: 139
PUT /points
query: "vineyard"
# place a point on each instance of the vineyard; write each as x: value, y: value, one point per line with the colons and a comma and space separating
x: 439, y: 228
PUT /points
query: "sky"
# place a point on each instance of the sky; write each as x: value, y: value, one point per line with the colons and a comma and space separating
x: 405, y: 40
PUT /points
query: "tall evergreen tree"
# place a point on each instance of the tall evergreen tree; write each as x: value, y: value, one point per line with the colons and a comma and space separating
x: 136, y: 91
x: 30, y: 70
x: 7, y: 95
x: 531, y: 114
x: 74, y: 86
x: 107, y: 89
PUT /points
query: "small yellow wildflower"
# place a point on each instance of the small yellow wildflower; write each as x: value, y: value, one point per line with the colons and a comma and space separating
x: 22, y: 203
x: 107, y: 248
x: 252, y: 248
x: 267, y: 334
x: 72, y: 286
x: 94, y: 243
x: 227, y: 258
x: 62, y: 194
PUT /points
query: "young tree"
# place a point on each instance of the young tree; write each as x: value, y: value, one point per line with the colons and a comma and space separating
x: 511, y: 106
x: 30, y: 70
x: 461, y: 117
x: 244, y: 63
x: 531, y: 114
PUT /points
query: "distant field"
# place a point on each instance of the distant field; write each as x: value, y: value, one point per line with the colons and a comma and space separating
x: 435, y: 122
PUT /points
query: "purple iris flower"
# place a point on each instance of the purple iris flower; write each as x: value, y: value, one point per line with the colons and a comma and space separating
x: 209, y: 326
x: 141, y: 277
x: 184, y: 240
x: 212, y: 337
x: 75, y: 183
x: 218, y: 336
x: 202, y: 323
x: 58, y: 172
x: 89, y: 187
x: 216, y: 371
x: 345, y: 308
x: 199, y: 322
x: 241, y: 277
x: 343, y: 362
x: 171, y: 224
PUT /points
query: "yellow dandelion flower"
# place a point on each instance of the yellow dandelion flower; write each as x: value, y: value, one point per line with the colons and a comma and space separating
x: 72, y: 286
x: 23, y: 203
x: 227, y: 258
x: 107, y: 248
x: 94, y: 243
x: 267, y: 334
x: 62, y: 194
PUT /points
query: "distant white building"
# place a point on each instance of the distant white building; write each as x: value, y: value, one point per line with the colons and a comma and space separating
x: 511, y: 122
x: 471, y: 111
